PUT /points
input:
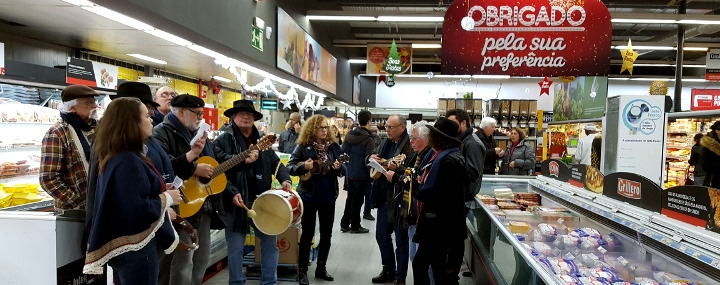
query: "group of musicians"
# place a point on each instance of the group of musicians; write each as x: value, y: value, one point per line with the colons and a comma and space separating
x: 123, y: 170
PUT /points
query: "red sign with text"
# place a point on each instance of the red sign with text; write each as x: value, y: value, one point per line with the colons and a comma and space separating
x: 211, y: 117
x: 705, y: 99
x: 527, y: 38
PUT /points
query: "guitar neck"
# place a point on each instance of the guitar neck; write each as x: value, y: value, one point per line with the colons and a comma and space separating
x: 230, y: 163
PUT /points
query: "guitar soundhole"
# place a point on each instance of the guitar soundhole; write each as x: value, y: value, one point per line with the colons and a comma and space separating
x: 203, y: 180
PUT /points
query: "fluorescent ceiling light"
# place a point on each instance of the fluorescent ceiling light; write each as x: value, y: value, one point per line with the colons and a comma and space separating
x: 694, y: 80
x: 409, y: 75
x: 651, y: 79
x: 644, y: 21
x: 695, y: 48
x: 645, y: 47
x: 120, y: 18
x: 169, y: 37
x: 426, y: 46
x: 357, y: 61
x: 340, y: 18
x: 699, y: 22
x: 490, y: 76
x: 206, y: 51
x: 619, y: 78
x: 409, y: 19
x: 695, y: 65
x: 81, y: 3
x: 220, y: 78
x: 147, y: 58
x: 451, y: 76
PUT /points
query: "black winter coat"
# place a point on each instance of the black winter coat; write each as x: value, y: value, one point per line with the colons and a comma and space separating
x: 359, y: 144
x: 710, y: 158
x: 491, y: 157
x: 296, y: 167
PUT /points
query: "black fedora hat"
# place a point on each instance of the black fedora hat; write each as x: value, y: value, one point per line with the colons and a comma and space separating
x: 445, y: 127
x: 136, y: 90
x: 243, y: 105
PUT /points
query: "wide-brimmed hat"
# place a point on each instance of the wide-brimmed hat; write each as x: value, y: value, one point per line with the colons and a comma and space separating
x: 73, y: 92
x: 135, y: 90
x: 243, y: 105
x: 446, y: 127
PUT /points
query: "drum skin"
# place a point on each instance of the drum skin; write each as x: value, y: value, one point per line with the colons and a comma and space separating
x: 276, y: 211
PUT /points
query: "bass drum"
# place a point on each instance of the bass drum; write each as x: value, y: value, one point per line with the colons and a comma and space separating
x: 276, y: 211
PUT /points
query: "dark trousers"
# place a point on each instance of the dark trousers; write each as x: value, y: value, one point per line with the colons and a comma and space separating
x: 489, y: 171
x: 431, y: 255
x: 368, y: 196
x: 392, y: 260
x: 455, y: 258
x: 137, y: 267
x: 353, y: 203
x: 326, y: 214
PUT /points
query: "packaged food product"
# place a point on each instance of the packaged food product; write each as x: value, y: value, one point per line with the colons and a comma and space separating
x: 554, y: 216
x: 546, y: 249
x: 570, y: 280
x: 545, y: 232
x: 612, y: 240
x: 592, y: 242
x: 586, y: 232
x: 517, y: 214
x: 595, y: 281
x: 509, y: 206
x: 518, y: 227
x: 646, y: 281
x: 561, y: 266
x: 549, y: 209
x: 530, y: 249
x: 527, y: 203
x: 488, y: 200
x: 504, y: 193
x: 605, y: 273
x: 500, y: 214
x: 521, y: 237
x: 667, y: 277
x: 492, y: 207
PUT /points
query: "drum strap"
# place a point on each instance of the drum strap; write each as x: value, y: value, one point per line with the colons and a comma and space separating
x: 276, y: 169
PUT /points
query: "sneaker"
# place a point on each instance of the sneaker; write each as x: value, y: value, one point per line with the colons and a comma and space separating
x: 369, y: 217
x: 344, y: 229
x: 359, y: 230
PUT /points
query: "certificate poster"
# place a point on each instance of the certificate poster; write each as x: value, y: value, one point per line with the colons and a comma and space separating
x: 634, y: 136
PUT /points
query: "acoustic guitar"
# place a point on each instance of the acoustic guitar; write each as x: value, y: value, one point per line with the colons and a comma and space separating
x: 196, y: 189
x: 398, y: 159
x: 319, y: 166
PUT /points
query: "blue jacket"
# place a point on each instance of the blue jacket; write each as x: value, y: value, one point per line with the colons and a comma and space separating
x: 296, y: 166
x: 359, y: 144
x: 288, y: 141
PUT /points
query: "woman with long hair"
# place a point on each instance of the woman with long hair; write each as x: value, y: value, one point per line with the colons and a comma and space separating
x: 316, y: 152
x: 130, y: 222
x: 520, y: 158
x: 698, y: 173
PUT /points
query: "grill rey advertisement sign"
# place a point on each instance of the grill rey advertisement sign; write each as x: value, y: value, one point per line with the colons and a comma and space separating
x: 527, y: 38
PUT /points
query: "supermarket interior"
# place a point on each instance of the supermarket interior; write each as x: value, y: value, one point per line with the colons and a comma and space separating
x: 615, y: 104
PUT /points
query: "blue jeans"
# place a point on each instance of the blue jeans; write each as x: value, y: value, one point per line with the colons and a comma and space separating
x: 413, y: 249
x: 368, y: 203
x: 140, y: 267
x: 269, y: 254
x: 398, y: 259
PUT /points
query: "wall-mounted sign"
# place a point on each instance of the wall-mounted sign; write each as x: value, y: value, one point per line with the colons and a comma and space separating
x: 527, y: 38
x: 2, y: 59
x: 705, y: 99
x: 257, y: 38
x: 91, y: 73
x: 211, y: 117
x: 583, y: 98
x: 634, y: 189
x: 712, y: 65
x: 377, y: 55
x: 555, y: 169
x: 299, y: 54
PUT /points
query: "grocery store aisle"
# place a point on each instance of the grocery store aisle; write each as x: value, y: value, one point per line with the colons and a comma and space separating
x: 354, y: 258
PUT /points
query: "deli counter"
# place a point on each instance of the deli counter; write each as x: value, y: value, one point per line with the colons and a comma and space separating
x: 562, y: 234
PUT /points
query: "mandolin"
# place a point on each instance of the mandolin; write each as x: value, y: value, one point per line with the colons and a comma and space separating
x: 399, y: 159
x: 196, y: 189
x: 319, y: 166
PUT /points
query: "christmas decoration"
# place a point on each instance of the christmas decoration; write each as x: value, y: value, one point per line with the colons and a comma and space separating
x: 393, y: 65
x: 545, y: 86
x: 629, y: 56
x: 659, y: 88
x: 390, y: 82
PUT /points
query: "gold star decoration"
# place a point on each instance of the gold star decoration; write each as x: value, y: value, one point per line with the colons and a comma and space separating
x: 629, y: 56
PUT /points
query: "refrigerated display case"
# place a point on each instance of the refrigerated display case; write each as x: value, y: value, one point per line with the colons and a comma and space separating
x: 577, y: 236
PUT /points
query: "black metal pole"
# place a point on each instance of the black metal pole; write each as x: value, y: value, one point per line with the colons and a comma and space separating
x: 682, y: 6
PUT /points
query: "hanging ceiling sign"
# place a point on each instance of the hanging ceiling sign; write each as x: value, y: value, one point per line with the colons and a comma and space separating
x: 527, y: 38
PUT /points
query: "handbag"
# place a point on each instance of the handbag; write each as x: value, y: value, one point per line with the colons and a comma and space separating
x: 688, y: 181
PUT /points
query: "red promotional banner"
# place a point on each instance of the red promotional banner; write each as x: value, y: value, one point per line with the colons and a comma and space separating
x: 705, y: 99
x: 211, y: 117
x: 527, y: 38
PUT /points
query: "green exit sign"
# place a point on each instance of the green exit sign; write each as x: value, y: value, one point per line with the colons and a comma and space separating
x: 257, y: 38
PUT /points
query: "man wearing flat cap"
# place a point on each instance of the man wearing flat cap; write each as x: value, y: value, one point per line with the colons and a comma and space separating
x: 245, y: 183
x: 584, y: 147
x: 174, y: 135
x: 66, y: 149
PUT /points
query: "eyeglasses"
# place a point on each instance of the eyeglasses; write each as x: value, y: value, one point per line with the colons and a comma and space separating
x: 168, y: 95
x: 199, y: 114
x: 324, y: 127
x: 244, y: 114
x: 88, y: 102
x: 389, y: 127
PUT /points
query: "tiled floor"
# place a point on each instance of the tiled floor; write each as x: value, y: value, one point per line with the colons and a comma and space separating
x: 354, y: 258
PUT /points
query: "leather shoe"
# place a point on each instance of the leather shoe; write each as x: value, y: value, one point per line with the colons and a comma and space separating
x: 369, y: 217
x: 359, y: 230
x: 344, y: 229
x: 400, y: 282
x: 303, y: 279
x: 323, y: 274
x: 384, y: 277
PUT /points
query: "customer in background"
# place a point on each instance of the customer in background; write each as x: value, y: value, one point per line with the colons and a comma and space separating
x: 316, y: 142
x: 520, y: 159
x: 441, y: 222
x: 174, y: 135
x: 131, y: 223
x: 367, y: 214
x: 710, y: 156
x: 698, y: 173
x: 473, y: 150
x: 338, y: 136
x: 488, y: 129
x: 288, y: 138
x: 162, y: 97
x: 245, y: 182
x: 584, y: 146
x: 359, y: 144
x: 66, y: 149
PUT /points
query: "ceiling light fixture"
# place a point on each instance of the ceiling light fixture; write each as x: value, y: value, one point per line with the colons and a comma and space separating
x: 169, y: 37
x: 426, y: 46
x: 340, y: 18
x: 449, y: 76
x: 477, y: 76
x: 117, y: 17
x: 357, y: 61
x: 645, y: 47
x: 699, y: 22
x: 644, y: 21
x: 695, y: 48
x: 206, y: 51
x: 619, y: 78
x: 220, y: 78
x: 409, y: 19
x: 81, y: 3
x: 147, y: 58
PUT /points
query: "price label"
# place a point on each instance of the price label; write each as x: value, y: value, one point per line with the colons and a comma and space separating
x: 569, y: 256
x: 602, y: 250
x: 623, y: 261
x: 560, y: 221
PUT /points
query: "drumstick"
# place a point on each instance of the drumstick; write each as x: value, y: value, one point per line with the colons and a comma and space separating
x: 251, y: 213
